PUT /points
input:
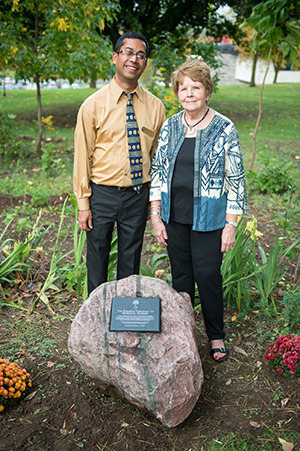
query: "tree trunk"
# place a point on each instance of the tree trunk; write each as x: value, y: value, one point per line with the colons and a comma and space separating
x: 260, y: 111
x: 4, y: 73
x: 39, y: 116
x: 255, y: 58
x: 277, y: 66
x: 93, y: 81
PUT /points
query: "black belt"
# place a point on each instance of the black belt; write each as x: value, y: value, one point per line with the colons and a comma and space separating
x: 119, y: 188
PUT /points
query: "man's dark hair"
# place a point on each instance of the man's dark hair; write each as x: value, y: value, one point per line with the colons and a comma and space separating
x: 131, y: 35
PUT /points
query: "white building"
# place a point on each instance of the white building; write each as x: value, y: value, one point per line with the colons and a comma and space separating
x: 237, y: 71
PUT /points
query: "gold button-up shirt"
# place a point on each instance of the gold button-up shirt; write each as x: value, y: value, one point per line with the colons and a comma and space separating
x: 101, y: 150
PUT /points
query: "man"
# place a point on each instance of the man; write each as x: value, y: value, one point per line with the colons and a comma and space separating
x: 111, y: 178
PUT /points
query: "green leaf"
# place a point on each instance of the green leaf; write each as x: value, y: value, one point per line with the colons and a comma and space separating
x: 276, y: 35
x: 279, y: 6
x: 294, y: 27
x: 264, y: 43
x: 265, y: 23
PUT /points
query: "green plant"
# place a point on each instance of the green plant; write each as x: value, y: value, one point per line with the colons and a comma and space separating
x: 40, y: 198
x: 54, y: 267
x: 79, y: 274
x: 167, y: 97
x: 49, y: 152
x: 113, y: 257
x: 237, y: 265
x: 271, y: 179
x: 10, y: 145
x: 290, y: 308
x: 284, y: 356
x: 270, y: 274
x: 287, y: 222
x: 14, y: 258
x: 151, y: 269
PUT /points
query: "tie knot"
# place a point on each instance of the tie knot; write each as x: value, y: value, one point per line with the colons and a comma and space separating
x: 129, y: 96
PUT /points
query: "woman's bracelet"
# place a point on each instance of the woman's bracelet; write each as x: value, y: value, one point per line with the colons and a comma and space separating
x: 155, y: 222
x: 154, y: 213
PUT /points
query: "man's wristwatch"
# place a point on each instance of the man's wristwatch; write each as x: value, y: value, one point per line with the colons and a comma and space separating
x: 234, y: 224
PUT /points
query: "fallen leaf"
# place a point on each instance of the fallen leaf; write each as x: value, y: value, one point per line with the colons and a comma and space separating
x: 258, y: 364
x: 240, y: 350
x: 284, y: 402
x: 31, y: 395
x: 50, y: 364
x: 286, y: 446
x: 124, y: 425
x: 228, y: 382
x: 255, y: 425
x: 233, y: 318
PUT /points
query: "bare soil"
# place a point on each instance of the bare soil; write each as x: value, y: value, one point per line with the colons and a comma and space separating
x: 67, y: 412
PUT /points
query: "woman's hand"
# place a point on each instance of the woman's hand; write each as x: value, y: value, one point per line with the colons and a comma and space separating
x: 228, y: 238
x: 160, y: 232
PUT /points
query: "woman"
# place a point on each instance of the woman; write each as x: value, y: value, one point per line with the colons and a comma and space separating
x: 197, y: 192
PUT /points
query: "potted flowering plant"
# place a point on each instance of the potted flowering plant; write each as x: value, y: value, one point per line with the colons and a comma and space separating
x: 284, y: 356
x: 14, y: 383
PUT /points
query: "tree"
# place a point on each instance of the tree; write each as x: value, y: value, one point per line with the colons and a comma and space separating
x: 55, y: 39
x: 155, y: 18
x: 173, y: 48
x: 276, y: 24
x: 247, y: 50
x: 278, y: 63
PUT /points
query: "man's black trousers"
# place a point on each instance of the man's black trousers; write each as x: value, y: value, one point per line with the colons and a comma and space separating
x: 126, y: 208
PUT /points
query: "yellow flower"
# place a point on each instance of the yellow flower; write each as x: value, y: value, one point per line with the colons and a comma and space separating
x: 13, y: 381
x: 251, y: 227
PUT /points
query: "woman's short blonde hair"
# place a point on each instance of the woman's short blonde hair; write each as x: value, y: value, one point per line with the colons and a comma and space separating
x: 196, y: 70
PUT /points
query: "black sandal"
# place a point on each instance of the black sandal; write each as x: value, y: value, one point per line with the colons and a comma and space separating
x: 223, y: 351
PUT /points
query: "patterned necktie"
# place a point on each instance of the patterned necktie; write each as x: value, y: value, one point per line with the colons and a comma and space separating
x: 134, y: 147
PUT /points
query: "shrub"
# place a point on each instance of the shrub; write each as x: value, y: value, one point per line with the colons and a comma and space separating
x: 290, y: 309
x: 14, y: 383
x: 271, y: 179
x: 10, y: 145
x: 284, y: 356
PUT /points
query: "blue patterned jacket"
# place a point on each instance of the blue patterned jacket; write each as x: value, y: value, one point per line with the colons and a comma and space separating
x: 219, y: 180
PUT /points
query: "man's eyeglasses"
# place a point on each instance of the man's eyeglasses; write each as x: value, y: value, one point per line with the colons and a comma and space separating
x: 139, y: 56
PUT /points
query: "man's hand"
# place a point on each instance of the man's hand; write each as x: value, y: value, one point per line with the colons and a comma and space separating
x: 85, y: 220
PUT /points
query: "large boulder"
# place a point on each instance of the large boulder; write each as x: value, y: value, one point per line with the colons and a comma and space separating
x: 160, y: 373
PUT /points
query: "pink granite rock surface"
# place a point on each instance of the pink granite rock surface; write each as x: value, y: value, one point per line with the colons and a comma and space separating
x: 160, y: 373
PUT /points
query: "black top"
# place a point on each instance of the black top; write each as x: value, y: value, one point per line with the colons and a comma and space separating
x: 183, y: 184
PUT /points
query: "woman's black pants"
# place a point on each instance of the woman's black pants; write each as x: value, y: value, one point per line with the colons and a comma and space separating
x: 196, y: 257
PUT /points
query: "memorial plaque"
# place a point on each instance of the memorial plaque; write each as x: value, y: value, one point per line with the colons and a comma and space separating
x: 135, y: 315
